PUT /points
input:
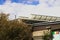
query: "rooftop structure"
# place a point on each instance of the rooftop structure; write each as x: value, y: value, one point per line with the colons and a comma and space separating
x: 42, y: 24
x: 46, y: 23
x: 45, y: 18
x: 39, y: 19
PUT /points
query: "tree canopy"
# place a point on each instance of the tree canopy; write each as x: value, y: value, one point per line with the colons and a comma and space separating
x: 13, y: 29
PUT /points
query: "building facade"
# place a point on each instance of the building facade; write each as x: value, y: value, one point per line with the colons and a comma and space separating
x: 40, y: 30
x: 42, y: 25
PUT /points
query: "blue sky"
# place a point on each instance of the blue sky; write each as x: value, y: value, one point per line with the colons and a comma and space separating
x: 2, y: 2
x: 27, y: 7
x: 28, y: 2
x: 33, y: 2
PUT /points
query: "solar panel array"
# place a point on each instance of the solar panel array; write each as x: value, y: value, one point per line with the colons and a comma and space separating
x: 45, y: 18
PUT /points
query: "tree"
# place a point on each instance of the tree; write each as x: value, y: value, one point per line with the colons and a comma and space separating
x: 13, y: 29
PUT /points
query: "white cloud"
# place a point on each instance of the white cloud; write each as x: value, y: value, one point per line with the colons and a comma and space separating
x: 25, y: 10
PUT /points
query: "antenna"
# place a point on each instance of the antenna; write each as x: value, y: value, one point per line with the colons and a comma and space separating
x: 15, y: 16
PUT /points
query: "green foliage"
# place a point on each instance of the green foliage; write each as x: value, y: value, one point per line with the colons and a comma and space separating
x: 13, y: 29
x: 46, y: 36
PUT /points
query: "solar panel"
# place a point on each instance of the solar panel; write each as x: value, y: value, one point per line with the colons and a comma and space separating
x: 45, y: 18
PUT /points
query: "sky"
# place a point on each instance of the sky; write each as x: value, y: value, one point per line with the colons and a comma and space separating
x: 27, y: 7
